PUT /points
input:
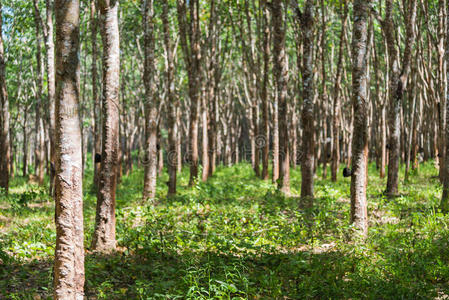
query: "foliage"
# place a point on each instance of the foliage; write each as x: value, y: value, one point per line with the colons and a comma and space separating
x: 235, y: 237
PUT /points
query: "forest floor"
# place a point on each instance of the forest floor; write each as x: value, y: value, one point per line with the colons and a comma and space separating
x: 235, y: 237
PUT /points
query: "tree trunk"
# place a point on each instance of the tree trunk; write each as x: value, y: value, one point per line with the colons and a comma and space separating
x: 445, y: 197
x: 281, y: 74
x: 190, y: 43
x: 50, y: 47
x: 398, y: 85
x: 337, y: 89
x: 359, y: 215
x: 25, y: 143
x: 172, y: 154
x: 308, y: 139
x: 39, y: 127
x: 4, y: 119
x: 69, y: 251
x: 104, y: 236
x: 151, y: 104
x: 264, y: 95
x: 96, y: 99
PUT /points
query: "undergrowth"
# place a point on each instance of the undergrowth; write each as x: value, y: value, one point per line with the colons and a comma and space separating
x: 236, y: 237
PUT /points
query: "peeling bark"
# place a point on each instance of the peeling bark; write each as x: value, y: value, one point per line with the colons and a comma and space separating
x: 360, y: 102
x: 69, y: 252
x: 104, y: 235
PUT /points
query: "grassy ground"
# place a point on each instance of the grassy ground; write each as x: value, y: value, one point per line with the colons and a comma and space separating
x: 235, y: 237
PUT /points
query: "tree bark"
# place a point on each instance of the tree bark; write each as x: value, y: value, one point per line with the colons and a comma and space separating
x: 359, y: 214
x: 96, y: 99
x: 337, y: 89
x: 39, y: 127
x: 69, y: 252
x: 190, y: 43
x: 398, y: 85
x: 104, y: 235
x: 264, y: 94
x: 151, y: 103
x: 281, y: 74
x: 445, y: 197
x: 308, y: 138
x: 50, y: 47
x: 4, y: 119
x: 172, y: 154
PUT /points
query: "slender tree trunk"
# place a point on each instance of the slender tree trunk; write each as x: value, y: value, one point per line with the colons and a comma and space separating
x: 205, y: 140
x: 25, y: 144
x: 275, y: 174
x: 337, y: 89
x: 39, y: 127
x: 69, y: 251
x: 151, y: 104
x: 172, y: 154
x: 398, y: 85
x: 308, y: 139
x: 359, y: 215
x: 96, y: 98
x: 50, y: 47
x: 104, y: 235
x: 264, y: 95
x: 4, y: 119
x: 445, y: 198
x: 190, y: 43
x: 281, y: 74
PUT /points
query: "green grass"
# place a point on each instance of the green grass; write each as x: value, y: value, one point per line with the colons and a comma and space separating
x: 235, y: 237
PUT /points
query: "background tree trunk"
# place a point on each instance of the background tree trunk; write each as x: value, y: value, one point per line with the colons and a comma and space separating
x: 104, y: 235
x: 172, y: 154
x: 281, y: 74
x: 151, y: 104
x: 4, y: 119
x: 96, y: 99
x: 308, y: 138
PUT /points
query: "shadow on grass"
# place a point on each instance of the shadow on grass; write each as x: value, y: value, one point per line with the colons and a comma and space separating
x: 158, y: 274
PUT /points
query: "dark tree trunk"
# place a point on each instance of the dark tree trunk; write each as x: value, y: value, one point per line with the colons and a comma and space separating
x: 308, y: 138
x: 4, y: 119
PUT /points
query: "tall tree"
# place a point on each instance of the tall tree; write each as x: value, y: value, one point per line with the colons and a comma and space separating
x: 264, y: 92
x: 172, y: 155
x: 4, y: 117
x: 445, y: 198
x: 398, y: 85
x: 360, y: 102
x: 50, y: 64
x: 69, y: 251
x: 39, y: 127
x: 281, y: 73
x: 308, y: 137
x: 337, y: 95
x: 96, y: 99
x: 190, y: 34
x: 104, y: 235
x: 151, y: 103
